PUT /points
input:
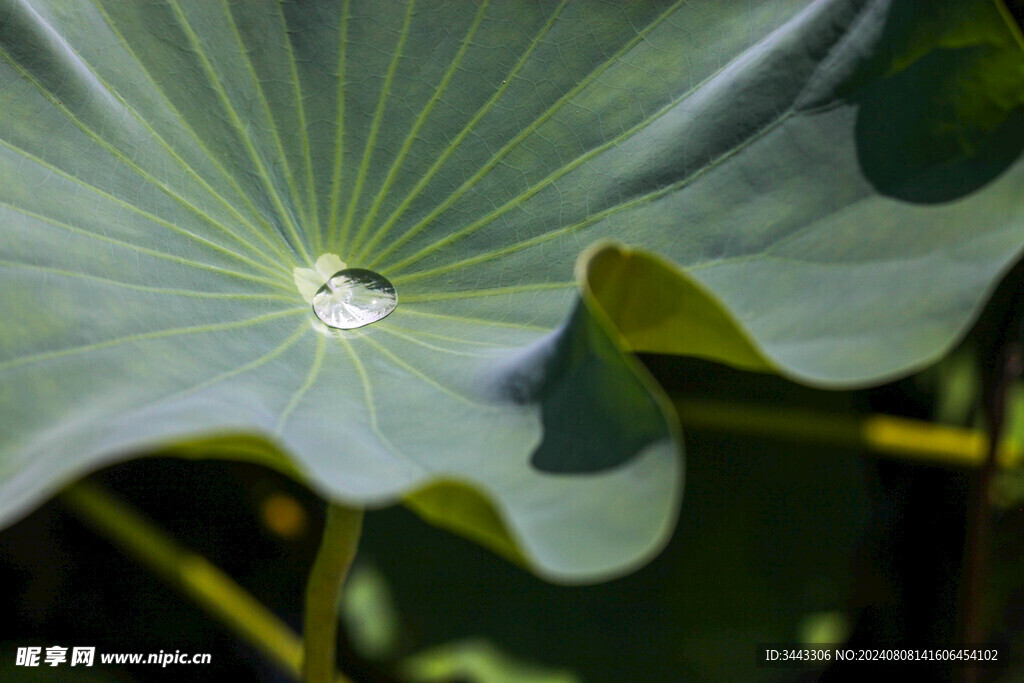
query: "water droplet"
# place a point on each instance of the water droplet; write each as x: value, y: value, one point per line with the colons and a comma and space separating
x: 354, y: 297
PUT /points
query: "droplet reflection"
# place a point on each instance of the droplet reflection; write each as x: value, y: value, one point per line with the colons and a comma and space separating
x: 354, y: 297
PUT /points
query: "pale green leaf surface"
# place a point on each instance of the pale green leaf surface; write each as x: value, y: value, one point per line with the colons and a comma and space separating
x: 168, y: 165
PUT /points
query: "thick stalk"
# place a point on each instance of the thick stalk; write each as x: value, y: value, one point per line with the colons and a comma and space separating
x: 320, y: 627
x: 191, y: 573
x: 881, y: 435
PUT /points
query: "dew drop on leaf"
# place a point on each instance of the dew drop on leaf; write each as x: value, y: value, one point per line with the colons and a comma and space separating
x: 354, y: 297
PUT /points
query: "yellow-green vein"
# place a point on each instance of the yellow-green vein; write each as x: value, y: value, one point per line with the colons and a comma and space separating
x: 494, y: 291
x: 280, y: 251
x: 371, y: 139
x: 409, y: 310
x: 371, y: 409
x: 547, y: 181
x: 466, y: 130
x: 277, y: 284
x: 275, y: 132
x: 148, y: 336
x: 590, y: 220
x: 300, y: 105
x: 529, y: 130
x: 283, y: 214
x: 412, y: 340
x: 435, y: 335
x: 118, y: 154
x: 314, y: 372
x: 450, y: 150
x: 339, y: 126
x: 144, y: 288
x: 421, y: 119
x: 145, y: 123
x: 248, y: 367
x: 412, y: 370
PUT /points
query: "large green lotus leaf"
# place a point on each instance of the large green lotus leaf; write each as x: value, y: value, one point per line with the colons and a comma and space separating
x: 834, y: 187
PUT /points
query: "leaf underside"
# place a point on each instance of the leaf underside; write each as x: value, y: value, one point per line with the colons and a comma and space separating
x: 832, y: 191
